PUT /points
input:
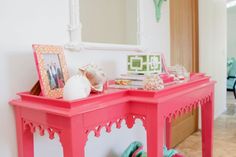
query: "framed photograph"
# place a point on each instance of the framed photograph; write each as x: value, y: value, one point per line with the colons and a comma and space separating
x: 145, y: 63
x: 52, y: 69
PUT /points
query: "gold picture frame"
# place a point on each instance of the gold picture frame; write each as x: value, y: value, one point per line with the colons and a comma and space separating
x: 52, y: 69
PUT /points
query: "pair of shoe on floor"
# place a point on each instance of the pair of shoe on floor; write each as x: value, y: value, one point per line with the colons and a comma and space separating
x: 136, y: 150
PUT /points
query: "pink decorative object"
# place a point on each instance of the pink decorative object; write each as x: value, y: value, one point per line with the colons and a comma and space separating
x: 166, y: 78
x: 74, y: 120
x: 165, y: 69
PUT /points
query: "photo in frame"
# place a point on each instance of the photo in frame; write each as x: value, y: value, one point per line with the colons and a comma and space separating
x: 52, y: 69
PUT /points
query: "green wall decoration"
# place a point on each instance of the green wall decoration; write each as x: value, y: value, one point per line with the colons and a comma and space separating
x: 158, y: 5
x: 144, y: 64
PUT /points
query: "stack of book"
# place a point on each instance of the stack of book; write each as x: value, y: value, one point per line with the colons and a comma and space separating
x: 133, y: 81
x: 136, y: 81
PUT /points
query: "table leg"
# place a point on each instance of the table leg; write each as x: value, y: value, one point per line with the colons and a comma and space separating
x: 25, y: 139
x: 73, y: 140
x: 207, y: 129
x: 73, y: 146
x: 155, y: 135
x: 168, y: 133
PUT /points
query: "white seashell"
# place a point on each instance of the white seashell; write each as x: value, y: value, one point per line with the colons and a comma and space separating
x: 153, y: 82
x: 76, y: 87
x: 96, y: 76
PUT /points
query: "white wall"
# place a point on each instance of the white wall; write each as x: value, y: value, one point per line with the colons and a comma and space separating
x: 155, y: 36
x: 31, y: 21
x: 212, y: 46
x: 231, y: 32
x: 21, y: 24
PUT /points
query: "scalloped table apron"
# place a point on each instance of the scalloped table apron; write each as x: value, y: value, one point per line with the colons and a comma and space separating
x: 74, y: 120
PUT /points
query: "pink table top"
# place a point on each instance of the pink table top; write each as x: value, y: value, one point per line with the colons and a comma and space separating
x: 107, y: 98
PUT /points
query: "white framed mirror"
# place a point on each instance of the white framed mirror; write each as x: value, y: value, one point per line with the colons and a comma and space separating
x: 104, y: 25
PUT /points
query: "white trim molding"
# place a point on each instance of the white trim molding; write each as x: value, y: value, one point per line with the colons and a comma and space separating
x: 105, y: 47
x: 75, y: 41
x: 74, y: 27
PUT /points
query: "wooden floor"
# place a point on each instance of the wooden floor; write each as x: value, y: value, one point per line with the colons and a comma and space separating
x: 224, y: 135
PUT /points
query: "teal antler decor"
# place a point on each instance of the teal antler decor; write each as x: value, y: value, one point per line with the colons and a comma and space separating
x: 158, y: 4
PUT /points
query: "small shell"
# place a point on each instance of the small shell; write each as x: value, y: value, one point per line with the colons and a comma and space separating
x: 153, y: 82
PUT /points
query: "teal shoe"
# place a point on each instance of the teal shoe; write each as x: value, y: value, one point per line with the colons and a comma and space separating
x: 131, y: 149
x: 135, y: 149
x: 169, y: 153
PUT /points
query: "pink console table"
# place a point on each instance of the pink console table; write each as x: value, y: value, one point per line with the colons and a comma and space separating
x: 74, y: 120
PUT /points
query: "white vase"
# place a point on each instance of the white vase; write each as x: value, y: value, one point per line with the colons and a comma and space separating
x: 77, y: 87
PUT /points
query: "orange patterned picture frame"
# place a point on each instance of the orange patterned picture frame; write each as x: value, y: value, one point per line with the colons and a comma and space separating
x: 52, y: 69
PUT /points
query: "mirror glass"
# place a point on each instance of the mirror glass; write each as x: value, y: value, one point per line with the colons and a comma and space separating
x: 109, y: 21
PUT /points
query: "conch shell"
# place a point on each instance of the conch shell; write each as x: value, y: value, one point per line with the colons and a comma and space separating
x: 96, y: 77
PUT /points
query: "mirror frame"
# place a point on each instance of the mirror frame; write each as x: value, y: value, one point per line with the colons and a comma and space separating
x: 74, y: 30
